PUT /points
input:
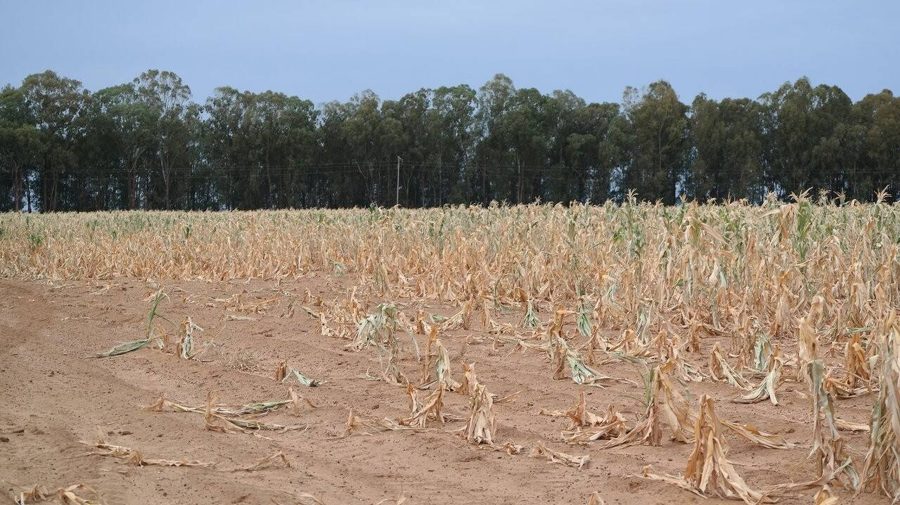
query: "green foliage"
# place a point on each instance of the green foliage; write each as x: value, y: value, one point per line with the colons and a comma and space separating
x: 146, y: 144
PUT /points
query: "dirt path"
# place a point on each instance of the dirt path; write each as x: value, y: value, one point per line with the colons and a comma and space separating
x: 53, y: 395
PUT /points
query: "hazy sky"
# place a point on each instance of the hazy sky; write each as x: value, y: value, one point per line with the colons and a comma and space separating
x: 329, y: 50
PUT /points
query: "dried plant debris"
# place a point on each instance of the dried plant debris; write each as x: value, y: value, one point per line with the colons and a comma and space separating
x: 285, y: 374
x: 470, y: 380
x: 818, y: 280
x: 376, y: 329
x: 665, y: 405
x: 588, y: 427
x: 437, y: 369
x: 423, y: 411
x: 276, y: 460
x: 71, y: 495
x: 825, y: 497
x: 542, y: 451
x: 531, y: 319
x: 228, y: 419
x: 134, y: 457
x: 768, y: 386
x: 808, y: 339
x: 674, y: 409
x: 124, y: 348
x: 185, y: 348
x: 480, y: 426
x: 355, y: 424
x: 379, y: 330
x: 564, y: 357
x: 881, y: 471
x: 134, y: 345
x: 757, y: 436
x: 832, y: 461
x: 297, y: 402
x: 721, y: 371
x: 709, y: 472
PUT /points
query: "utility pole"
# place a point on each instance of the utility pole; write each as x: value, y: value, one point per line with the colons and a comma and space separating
x: 397, y: 199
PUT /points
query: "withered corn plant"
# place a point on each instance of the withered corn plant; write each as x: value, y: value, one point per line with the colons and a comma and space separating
x: 833, y: 463
x: 786, y: 281
x: 881, y: 470
x: 437, y: 369
x: 135, y: 345
x: 709, y: 472
x: 283, y: 373
x: 480, y: 426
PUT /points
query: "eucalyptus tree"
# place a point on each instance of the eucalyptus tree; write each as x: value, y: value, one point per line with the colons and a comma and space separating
x: 658, y: 146
x: 727, y: 149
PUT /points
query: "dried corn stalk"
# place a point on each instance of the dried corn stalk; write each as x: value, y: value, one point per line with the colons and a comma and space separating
x: 185, y: 347
x: 135, y: 457
x: 674, y: 410
x: 832, y: 462
x: 541, y: 451
x: 647, y: 430
x: 254, y: 408
x: 69, y: 496
x: 682, y: 370
x: 135, y: 345
x: 421, y: 412
x: 531, y: 319
x: 124, y: 348
x: 356, y: 423
x: 753, y: 434
x: 580, y: 415
x: 65, y: 495
x: 857, y: 379
x: 721, y: 371
x: 283, y: 374
x: 564, y: 357
x: 825, y: 497
x: 281, y: 371
x: 437, y: 369
x: 480, y: 426
x: 882, y: 464
x: 585, y: 426
x: 583, y: 320
x: 225, y: 420
x: 768, y: 386
x: 470, y: 381
x: 376, y: 329
x: 708, y: 471
x: 808, y: 340
x: 762, y: 353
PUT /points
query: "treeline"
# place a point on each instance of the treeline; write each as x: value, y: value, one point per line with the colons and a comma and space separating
x: 147, y: 145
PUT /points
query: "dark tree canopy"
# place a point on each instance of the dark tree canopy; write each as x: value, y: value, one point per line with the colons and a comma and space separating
x: 147, y: 144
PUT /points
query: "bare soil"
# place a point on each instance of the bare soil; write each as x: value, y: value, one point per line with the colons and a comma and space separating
x: 54, y: 396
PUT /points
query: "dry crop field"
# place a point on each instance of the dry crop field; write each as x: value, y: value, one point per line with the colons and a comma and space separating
x: 629, y: 353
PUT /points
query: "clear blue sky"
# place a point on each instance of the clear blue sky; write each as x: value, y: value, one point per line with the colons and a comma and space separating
x: 329, y: 50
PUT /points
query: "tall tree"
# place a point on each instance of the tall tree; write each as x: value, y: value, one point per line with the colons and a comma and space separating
x: 169, y: 100
x: 493, y: 154
x: 55, y: 106
x: 805, y: 128
x: 658, y: 125
x: 146, y: 145
x: 20, y: 150
x: 878, y: 120
x: 727, y: 152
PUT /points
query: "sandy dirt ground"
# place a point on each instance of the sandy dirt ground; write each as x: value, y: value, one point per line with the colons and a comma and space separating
x: 54, y: 396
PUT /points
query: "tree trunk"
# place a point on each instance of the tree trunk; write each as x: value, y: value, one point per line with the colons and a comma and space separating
x: 17, y: 186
